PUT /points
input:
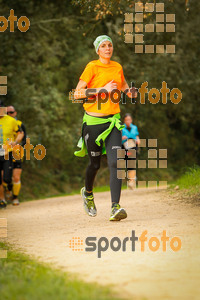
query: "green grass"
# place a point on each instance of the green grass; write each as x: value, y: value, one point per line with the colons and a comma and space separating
x: 97, y: 189
x: 44, y: 184
x: 190, y: 180
x: 22, y: 278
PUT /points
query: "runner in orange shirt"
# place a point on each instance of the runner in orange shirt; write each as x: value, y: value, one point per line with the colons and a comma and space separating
x: 101, y: 131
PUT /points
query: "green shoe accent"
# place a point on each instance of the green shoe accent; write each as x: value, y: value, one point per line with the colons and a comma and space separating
x: 117, y: 213
x: 88, y: 203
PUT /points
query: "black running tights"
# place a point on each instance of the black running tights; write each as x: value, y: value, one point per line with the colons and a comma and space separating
x: 112, y: 143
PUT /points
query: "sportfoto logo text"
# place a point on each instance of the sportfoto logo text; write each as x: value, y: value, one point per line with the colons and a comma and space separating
x: 116, y: 244
x: 23, y: 23
x: 154, y: 95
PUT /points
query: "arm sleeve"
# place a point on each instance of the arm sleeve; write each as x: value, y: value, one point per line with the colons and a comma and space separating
x: 88, y: 73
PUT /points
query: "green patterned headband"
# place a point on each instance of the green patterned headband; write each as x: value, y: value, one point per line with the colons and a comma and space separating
x: 99, y: 40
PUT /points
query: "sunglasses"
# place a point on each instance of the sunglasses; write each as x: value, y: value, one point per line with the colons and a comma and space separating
x: 11, y: 112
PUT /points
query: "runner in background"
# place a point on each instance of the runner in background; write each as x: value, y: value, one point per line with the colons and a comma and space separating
x: 17, y: 164
x: 130, y: 140
x: 101, y: 130
x: 10, y: 135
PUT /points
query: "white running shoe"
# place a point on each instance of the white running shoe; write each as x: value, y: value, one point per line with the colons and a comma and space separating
x: 15, y: 201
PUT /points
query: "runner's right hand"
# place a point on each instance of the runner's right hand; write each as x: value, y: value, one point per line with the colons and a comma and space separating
x: 124, y: 137
x: 110, y: 86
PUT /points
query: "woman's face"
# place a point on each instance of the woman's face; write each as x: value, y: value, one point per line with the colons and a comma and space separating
x: 105, y: 50
x: 128, y: 120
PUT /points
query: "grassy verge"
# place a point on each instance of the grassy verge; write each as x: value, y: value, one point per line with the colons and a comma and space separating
x: 75, y: 191
x: 188, y: 185
x: 190, y: 180
x: 43, y: 183
x: 24, y: 278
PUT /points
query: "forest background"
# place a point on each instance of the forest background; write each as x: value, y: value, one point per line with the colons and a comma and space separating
x: 44, y: 64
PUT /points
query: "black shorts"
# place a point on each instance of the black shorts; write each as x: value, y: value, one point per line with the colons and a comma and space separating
x: 6, y: 166
x: 17, y: 164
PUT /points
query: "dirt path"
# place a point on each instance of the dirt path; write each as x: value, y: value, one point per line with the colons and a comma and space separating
x: 43, y: 228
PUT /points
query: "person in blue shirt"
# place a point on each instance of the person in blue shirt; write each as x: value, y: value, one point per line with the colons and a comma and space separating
x: 130, y: 140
